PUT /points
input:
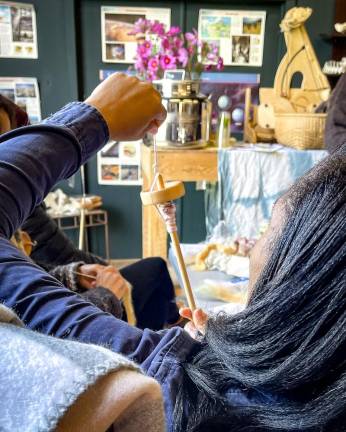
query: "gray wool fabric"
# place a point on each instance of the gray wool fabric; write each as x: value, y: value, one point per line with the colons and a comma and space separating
x: 41, y: 376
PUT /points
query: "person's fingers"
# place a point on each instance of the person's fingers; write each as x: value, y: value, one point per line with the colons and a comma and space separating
x: 161, y: 115
x: 154, y: 125
x: 106, y: 271
x: 90, y: 269
x: 109, y: 277
x: 111, y: 269
x: 199, y: 316
x: 86, y: 283
x: 152, y: 128
x: 193, y: 331
x: 185, y: 312
x: 200, y: 320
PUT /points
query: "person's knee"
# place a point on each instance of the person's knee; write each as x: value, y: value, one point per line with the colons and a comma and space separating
x: 157, y: 264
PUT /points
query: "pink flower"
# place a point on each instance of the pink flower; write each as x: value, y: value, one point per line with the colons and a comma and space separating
x: 173, y: 31
x: 165, y: 44
x: 144, y: 49
x: 208, y: 67
x: 211, y: 57
x: 183, y: 56
x: 214, y: 48
x: 153, y: 64
x: 178, y: 42
x: 139, y: 64
x: 157, y: 28
x: 191, y: 49
x: 219, y: 65
x: 140, y: 26
x: 152, y: 76
x: 167, y: 62
x: 192, y: 38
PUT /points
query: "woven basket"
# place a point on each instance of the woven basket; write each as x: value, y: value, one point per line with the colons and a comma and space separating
x: 302, y: 131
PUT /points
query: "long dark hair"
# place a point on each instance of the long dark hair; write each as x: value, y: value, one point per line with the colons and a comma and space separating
x: 287, y: 350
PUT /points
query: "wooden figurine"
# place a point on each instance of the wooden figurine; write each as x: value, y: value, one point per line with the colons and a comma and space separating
x: 300, y: 59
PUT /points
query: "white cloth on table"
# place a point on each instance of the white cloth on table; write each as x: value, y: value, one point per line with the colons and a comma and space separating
x: 251, y: 181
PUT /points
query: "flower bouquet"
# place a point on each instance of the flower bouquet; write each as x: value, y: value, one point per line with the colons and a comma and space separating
x: 159, y: 50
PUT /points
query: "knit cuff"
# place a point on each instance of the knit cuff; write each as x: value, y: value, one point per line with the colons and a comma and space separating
x: 66, y: 274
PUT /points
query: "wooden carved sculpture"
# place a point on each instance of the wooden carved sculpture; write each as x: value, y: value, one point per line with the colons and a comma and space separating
x: 300, y: 58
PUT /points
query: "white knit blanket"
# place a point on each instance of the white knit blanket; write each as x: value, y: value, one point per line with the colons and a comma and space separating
x: 41, y: 376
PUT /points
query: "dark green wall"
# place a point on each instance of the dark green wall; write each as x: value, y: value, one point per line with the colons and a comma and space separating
x: 69, y: 44
x: 55, y: 67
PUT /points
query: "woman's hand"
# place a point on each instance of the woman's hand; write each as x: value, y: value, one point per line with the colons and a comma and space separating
x: 104, y: 276
x: 88, y: 273
x: 130, y: 107
x: 198, y: 320
x: 110, y: 278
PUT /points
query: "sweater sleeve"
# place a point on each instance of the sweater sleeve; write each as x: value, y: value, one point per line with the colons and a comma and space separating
x: 34, y: 158
x: 66, y: 274
x: 99, y: 296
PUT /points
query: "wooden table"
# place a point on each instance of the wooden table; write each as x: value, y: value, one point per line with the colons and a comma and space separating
x: 174, y: 164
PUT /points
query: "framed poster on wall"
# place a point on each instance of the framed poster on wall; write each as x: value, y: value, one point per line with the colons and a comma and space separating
x: 117, y: 22
x: 18, y: 33
x: 238, y: 35
x: 232, y: 85
x: 119, y: 163
x: 24, y: 92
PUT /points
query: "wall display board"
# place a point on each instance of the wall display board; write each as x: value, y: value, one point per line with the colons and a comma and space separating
x: 23, y: 92
x: 232, y: 85
x: 238, y: 35
x: 118, y: 163
x: 118, y: 45
x: 18, y: 34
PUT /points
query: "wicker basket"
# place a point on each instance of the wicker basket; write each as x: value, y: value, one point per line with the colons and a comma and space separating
x: 302, y: 131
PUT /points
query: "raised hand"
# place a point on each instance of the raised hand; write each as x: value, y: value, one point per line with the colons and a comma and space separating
x: 129, y: 106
